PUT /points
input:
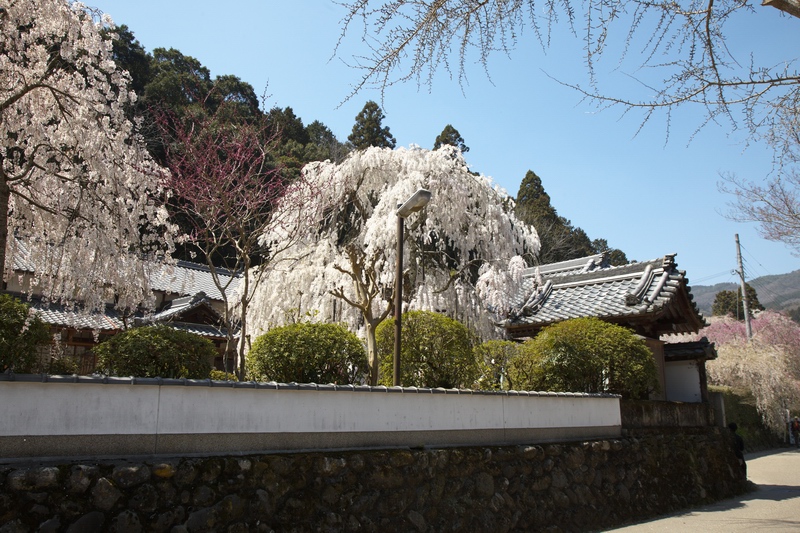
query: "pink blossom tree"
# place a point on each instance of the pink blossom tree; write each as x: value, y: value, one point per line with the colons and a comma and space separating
x: 767, y: 366
x: 226, y: 187
x: 78, y: 191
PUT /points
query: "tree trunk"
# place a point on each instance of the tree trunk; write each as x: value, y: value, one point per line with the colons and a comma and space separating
x: 241, y: 371
x: 372, y: 353
x: 5, y: 198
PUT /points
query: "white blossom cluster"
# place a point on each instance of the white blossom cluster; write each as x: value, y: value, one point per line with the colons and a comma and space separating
x: 81, y: 193
x: 468, y: 227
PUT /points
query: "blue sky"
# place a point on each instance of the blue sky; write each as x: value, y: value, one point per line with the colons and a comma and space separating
x: 646, y: 194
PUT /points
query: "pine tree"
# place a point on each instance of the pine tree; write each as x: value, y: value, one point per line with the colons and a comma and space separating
x: 450, y: 136
x: 367, y: 131
x: 560, y: 240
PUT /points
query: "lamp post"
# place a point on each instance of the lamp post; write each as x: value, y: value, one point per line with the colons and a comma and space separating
x: 417, y: 201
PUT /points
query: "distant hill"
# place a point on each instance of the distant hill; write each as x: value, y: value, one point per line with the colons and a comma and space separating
x: 780, y: 292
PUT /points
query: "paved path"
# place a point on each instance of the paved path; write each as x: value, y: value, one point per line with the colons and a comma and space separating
x: 775, y: 506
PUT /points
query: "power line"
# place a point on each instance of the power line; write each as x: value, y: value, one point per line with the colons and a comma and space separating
x: 713, y: 276
x: 760, y: 286
x: 763, y: 268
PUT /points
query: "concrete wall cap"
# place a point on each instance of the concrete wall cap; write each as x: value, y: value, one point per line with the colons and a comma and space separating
x: 273, y: 385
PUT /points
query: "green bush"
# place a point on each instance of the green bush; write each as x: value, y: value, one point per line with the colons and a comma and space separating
x: 156, y: 351
x: 221, y: 375
x: 494, y: 357
x: 585, y: 355
x: 436, y: 351
x: 22, y: 336
x: 308, y: 353
x: 740, y: 407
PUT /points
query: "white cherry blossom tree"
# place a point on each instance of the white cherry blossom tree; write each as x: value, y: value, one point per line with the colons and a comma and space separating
x: 344, y: 269
x: 79, y: 196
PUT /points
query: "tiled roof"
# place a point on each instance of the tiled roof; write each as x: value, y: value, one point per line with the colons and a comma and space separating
x: 184, y: 277
x: 21, y: 259
x: 192, y: 281
x: 701, y: 350
x: 653, y: 296
x: 179, y: 306
x: 188, y: 278
x: 204, y: 330
x: 60, y: 315
x: 177, y: 309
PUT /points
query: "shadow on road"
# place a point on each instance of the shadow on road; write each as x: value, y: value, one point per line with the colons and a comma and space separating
x: 751, y: 511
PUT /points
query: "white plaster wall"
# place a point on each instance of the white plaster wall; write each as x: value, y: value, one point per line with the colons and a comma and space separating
x: 683, y: 382
x: 32, y: 408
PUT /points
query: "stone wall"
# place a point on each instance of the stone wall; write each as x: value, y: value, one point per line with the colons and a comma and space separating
x: 646, y: 414
x: 579, y: 486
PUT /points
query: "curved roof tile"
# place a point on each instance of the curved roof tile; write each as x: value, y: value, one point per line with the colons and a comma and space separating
x: 653, y: 296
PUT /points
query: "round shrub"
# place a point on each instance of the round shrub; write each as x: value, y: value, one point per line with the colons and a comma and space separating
x: 22, y: 336
x: 436, y: 351
x: 585, y: 355
x: 308, y: 353
x: 156, y: 351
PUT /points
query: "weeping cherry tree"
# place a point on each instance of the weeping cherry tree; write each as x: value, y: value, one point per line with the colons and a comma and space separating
x: 344, y: 268
x: 79, y: 195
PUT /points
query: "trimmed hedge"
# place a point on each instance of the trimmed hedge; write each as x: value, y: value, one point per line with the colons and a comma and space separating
x: 156, y: 351
x: 308, y: 353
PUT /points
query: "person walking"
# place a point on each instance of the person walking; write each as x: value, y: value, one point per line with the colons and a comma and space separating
x: 738, y: 447
x: 795, y: 426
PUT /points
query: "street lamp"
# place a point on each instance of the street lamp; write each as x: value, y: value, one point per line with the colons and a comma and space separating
x: 417, y: 201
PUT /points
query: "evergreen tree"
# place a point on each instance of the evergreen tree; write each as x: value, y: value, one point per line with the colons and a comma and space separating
x: 323, y: 144
x: 450, y: 136
x: 730, y: 303
x: 368, y: 131
x: 130, y: 55
x: 560, y: 240
x: 287, y: 125
x: 555, y: 232
x: 241, y: 102
x: 178, y: 80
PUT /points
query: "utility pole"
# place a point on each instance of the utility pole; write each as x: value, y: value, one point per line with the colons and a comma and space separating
x: 745, y: 304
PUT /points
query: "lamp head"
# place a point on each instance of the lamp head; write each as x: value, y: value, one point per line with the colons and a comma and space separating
x: 416, y: 202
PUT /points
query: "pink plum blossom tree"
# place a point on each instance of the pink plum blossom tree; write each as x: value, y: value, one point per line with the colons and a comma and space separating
x: 344, y: 269
x: 79, y: 195
x: 227, y: 189
x: 768, y: 365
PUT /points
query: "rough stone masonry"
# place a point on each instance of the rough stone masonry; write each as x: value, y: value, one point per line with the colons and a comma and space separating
x: 580, y: 486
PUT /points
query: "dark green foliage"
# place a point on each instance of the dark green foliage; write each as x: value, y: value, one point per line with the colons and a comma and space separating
x: 740, y: 407
x: 22, y: 336
x: 730, y: 303
x: 308, y: 353
x: 436, y: 351
x: 178, y: 80
x: 560, y: 240
x: 585, y: 355
x: 287, y: 125
x: 323, y: 144
x: 233, y: 100
x: 156, y: 351
x: 615, y: 257
x: 368, y: 130
x: 130, y: 55
x: 450, y: 136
